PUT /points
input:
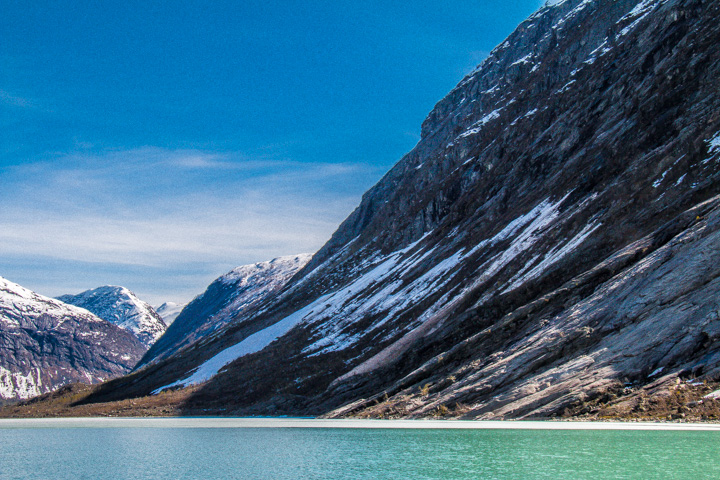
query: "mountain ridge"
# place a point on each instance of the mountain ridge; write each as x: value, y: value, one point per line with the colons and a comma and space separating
x: 239, y: 289
x: 561, y: 176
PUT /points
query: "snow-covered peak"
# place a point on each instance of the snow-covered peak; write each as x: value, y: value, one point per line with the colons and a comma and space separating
x: 8, y: 287
x: 272, y: 269
x: 169, y: 311
x: 251, y: 283
x: 17, y: 300
x: 122, y: 307
x: 225, y: 300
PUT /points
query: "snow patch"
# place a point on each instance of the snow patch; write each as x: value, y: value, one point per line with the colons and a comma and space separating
x: 638, y: 13
x: 478, y: 126
x: 17, y: 385
x: 566, y: 87
x: 659, y: 181
x: 389, y: 301
x: 579, y: 8
x: 552, y: 257
x: 713, y: 148
x: 252, y: 344
x: 656, y: 372
x: 536, y: 220
x: 714, y: 143
x: 597, y: 53
x: 713, y: 395
x: 523, y: 60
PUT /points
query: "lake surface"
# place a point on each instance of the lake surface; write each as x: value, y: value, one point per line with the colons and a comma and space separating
x: 219, y: 449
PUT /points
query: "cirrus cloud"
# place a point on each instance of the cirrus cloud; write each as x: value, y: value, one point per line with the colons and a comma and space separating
x: 187, y: 215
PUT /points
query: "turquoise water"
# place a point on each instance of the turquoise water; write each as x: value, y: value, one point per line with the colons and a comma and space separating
x: 350, y: 453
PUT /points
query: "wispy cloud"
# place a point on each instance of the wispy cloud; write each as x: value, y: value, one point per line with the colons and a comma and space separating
x: 200, y: 161
x: 9, y: 99
x: 166, y: 209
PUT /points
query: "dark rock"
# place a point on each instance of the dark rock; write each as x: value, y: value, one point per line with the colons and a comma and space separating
x: 555, y: 231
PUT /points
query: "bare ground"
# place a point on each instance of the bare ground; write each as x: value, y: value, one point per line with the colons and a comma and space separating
x: 667, y: 399
x: 69, y: 401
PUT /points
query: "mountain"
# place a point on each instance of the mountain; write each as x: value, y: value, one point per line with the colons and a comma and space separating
x: 45, y: 344
x: 122, y: 307
x: 169, y: 311
x: 225, y: 298
x: 551, y: 245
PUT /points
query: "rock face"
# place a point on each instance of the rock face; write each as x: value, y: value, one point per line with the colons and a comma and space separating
x: 225, y: 298
x: 553, y: 237
x: 122, y: 307
x: 169, y: 311
x: 45, y: 344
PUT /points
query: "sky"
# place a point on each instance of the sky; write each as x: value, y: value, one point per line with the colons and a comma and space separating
x: 158, y: 145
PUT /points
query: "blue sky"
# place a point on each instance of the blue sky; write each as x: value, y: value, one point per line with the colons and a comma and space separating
x: 157, y: 145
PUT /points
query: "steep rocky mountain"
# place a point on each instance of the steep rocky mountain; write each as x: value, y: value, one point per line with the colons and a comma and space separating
x: 122, y: 307
x: 224, y: 299
x: 551, y: 241
x: 169, y: 311
x: 45, y: 344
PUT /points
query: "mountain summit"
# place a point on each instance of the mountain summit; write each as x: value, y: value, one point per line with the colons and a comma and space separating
x: 225, y: 298
x: 553, y: 240
x: 122, y: 307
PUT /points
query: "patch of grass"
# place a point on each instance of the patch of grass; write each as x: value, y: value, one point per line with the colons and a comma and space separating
x: 440, y: 411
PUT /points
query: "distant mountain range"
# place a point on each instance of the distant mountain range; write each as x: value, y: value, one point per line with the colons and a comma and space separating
x: 45, y: 344
x: 116, y: 327
x: 169, y: 311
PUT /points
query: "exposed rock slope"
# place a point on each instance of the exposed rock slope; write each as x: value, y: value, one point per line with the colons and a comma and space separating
x: 225, y: 298
x: 122, y: 307
x: 45, y: 344
x: 551, y: 238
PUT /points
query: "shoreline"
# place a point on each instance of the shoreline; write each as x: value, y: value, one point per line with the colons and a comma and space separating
x: 255, y: 422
